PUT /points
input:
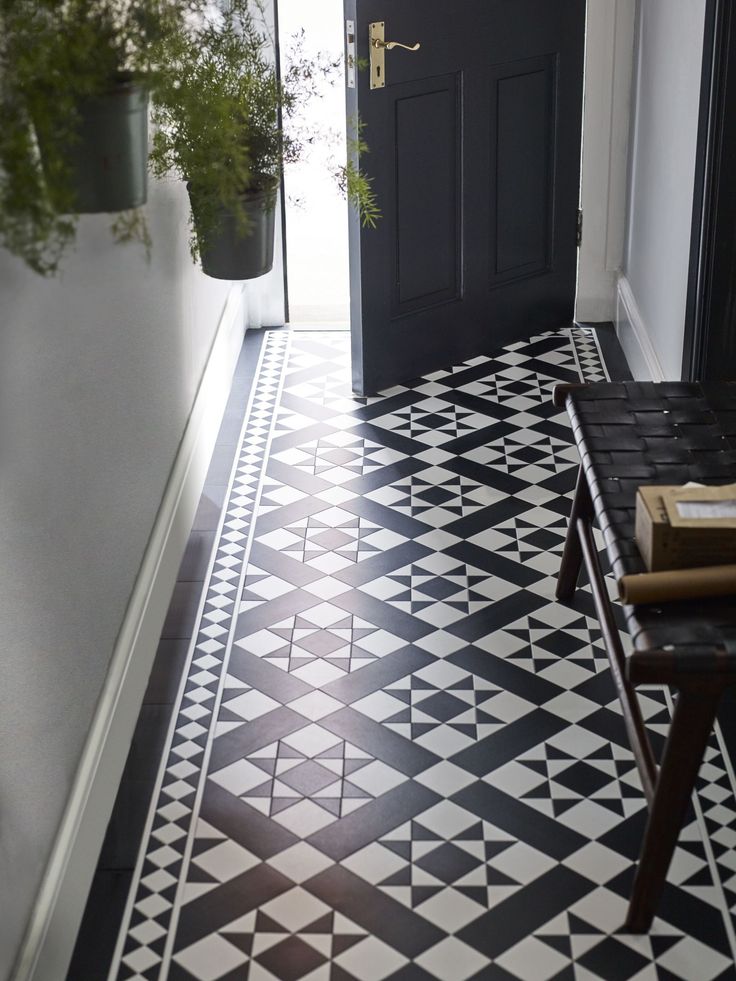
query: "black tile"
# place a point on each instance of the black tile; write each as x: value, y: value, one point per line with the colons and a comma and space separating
x: 290, y: 959
x: 613, y: 960
x: 148, y: 742
x: 525, y: 911
x: 387, y: 669
x: 207, y: 517
x: 221, y: 463
x: 97, y: 936
x: 181, y: 616
x: 243, y: 893
x: 379, y: 914
x: 549, y: 836
x: 372, y: 820
x: 256, y: 672
x: 197, y: 556
x: 240, y: 822
x: 125, y: 830
x: 246, y: 739
x: 166, y: 674
x: 379, y: 741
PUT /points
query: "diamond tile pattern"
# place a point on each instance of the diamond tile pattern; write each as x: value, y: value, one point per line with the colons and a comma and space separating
x: 395, y: 755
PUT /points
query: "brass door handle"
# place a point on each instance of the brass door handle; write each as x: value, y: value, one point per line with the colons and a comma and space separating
x: 388, y: 45
x: 378, y: 48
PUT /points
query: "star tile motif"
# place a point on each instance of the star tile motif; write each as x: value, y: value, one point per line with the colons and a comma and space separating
x: 308, y: 779
x: 433, y: 421
x: 321, y: 644
x: 435, y: 496
x: 339, y: 457
x: 439, y: 590
x: 331, y: 540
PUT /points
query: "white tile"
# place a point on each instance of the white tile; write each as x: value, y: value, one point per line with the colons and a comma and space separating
x: 295, y: 909
x: 446, y: 819
x: 377, y: 778
x: 379, y: 705
x: 315, y: 705
x: 371, y: 960
x: 300, y: 862
x: 239, y: 777
x: 251, y: 705
x: 533, y: 960
x: 374, y: 863
x: 304, y: 818
x: 311, y: 740
x: 226, y: 860
x: 445, y: 778
x: 450, y: 910
x: 210, y: 958
x: 452, y: 960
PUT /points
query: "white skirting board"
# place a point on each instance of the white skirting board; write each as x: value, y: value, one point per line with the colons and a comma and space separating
x: 634, y: 337
x: 52, y: 930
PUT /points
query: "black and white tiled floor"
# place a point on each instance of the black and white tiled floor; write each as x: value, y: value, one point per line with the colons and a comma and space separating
x: 393, y: 755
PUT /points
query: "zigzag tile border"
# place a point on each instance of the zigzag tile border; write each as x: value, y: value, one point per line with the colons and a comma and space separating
x: 141, y: 948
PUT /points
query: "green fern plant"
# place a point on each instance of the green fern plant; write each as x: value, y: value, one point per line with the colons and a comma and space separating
x: 54, y: 54
x: 227, y: 123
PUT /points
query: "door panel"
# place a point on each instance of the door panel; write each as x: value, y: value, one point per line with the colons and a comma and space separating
x: 523, y: 195
x: 474, y: 156
x: 427, y: 199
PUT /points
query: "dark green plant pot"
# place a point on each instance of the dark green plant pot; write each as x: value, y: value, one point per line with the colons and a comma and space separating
x: 232, y: 254
x: 108, y: 160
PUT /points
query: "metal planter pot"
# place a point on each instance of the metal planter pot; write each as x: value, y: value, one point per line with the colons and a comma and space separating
x: 233, y: 255
x: 108, y: 160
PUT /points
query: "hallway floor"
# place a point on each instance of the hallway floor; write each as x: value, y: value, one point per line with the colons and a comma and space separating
x: 392, y: 753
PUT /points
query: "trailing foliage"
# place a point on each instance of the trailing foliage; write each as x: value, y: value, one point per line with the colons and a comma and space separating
x: 225, y: 120
x: 354, y: 182
x: 54, y: 55
x: 227, y: 124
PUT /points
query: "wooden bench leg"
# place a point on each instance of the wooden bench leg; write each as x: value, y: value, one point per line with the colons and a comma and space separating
x: 692, y: 724
x: 572, y: 556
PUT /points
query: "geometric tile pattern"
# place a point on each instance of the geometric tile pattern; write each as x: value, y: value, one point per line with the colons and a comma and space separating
x: 396, y: 756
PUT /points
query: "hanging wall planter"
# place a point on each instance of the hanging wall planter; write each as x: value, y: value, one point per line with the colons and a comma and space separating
x: 234, y: 254
x: 107, y: 159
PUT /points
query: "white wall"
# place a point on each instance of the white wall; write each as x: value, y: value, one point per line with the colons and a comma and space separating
x: 98, y: 375
x: 609, y: 45
x: 652, y: 292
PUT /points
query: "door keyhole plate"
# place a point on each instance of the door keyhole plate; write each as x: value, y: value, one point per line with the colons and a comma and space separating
x: 377, y: 32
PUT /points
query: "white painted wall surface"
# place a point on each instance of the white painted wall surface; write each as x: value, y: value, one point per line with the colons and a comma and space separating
x: 98, y: 374
x: 653, y: 293
x: 609, y: 46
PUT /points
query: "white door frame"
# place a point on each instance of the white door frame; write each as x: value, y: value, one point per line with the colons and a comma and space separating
x: 609, y: 62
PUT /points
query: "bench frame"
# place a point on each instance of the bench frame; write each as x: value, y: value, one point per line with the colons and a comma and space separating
x: 669, y: 786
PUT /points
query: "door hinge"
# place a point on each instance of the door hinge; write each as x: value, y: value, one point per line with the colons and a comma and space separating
x: 579, y: 228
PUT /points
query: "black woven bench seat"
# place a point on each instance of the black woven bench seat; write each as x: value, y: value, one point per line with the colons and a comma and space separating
x: 629, y: 434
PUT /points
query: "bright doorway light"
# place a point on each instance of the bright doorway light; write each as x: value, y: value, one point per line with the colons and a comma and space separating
x: 316, y: 212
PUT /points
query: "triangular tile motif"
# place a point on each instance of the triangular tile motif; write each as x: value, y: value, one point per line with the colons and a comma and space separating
x: 308, y: 779
x: 435, y: 496
x: 321, y: 644
x: 339, y: 457
x: 331, y: 540
x: 443, y: 708
x: 394, y: 755
x: 439, y: 590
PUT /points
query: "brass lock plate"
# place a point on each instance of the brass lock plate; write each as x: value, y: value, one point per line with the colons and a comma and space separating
x: 377, y: 32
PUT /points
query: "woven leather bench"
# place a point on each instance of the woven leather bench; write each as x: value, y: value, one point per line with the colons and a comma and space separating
x: 630, y: 434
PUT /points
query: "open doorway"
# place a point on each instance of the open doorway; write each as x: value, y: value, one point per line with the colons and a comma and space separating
x: 315, y: 211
